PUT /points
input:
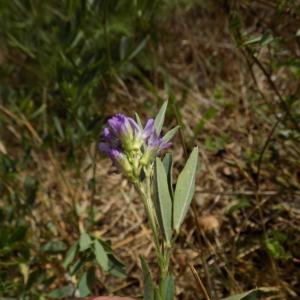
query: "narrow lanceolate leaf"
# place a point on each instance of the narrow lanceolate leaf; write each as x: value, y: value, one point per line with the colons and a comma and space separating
x: 86, y: 282
x: 62, y: 292
x: 138, y: 120
x: 169, y: 135
x: 163, y: 202
x: 185, y: 189
x: 168, y: 165
x: 70, y: 255
x: 101, y: 256
x: 160, y: 118
x: 167, y: 288
x: 148, y: 283
x: 84, y: 241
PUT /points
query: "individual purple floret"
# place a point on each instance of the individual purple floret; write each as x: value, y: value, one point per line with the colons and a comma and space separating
x: 157, y: 143
x: 122, y: 133
x: 154, y: 145
x: 149, y: 129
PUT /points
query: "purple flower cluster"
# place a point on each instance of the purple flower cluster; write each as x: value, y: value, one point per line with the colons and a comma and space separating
x: 122, y: 140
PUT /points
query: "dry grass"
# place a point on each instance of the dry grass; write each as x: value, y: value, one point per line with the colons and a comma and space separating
x: 207, y: 71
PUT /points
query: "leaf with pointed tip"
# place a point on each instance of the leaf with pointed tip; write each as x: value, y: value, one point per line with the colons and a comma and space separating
x: 170, y: 134
x: 62, y: 292
x: 168, y: 165
x: 76, y: 266
x: 101, y: 256
x: 86, y: 282
x: 167, y: 288
x: 163, y: 202
x: 139, y: 48
x: 148, y: 283
x: 138, y: 120
x: 70, y: 255
x: 160, y: 118
x: 84, y: 241
x: 185, y: 189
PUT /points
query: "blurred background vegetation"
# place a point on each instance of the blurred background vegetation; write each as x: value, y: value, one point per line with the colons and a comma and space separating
x: 230, y: 70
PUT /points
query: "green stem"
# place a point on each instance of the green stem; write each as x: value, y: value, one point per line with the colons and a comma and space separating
x: 151, y: 218
x: 163, y: 252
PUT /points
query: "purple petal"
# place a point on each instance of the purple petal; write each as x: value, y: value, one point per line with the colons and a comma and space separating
x: 115, y: 154
x: 134, y: 124
x: 104, y: 147
x: 116, y: 123
x: 164, y: 145
x: 154, y: 140
x: 149, y: 128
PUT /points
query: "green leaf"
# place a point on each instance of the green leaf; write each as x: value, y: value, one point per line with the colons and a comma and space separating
x: 185, y: 189
x: 276, y: 249
x: 16, y: 44
x: 167, y: 288
x: 70, y: 255
x: 138, y: 120
x: 74, y: 268
x: 160, y: 118
x: 157, y: 295
x: 60, y: 293
x: 252, y: 295
x: 86, y: 282
x: 116, y: 267
x: 163, y: 202
x: 168, y: 165
x: 238, y: 204
x: 18, y: 234
x: 148, y: 283
x: 30, y: 187
x: 139, y: 48
x: 54, y: 247
x: 58, y: 126
x: 170, y: 134
x: 84, y: 241
x: 101, y: 256
x: 262, y: 40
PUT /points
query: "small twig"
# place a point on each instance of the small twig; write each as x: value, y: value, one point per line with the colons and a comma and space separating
x: 199, y: 282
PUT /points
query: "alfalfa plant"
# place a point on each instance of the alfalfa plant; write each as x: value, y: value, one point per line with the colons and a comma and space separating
x: 135, y: 150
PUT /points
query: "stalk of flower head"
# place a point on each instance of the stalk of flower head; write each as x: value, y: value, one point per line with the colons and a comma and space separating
x: 135, y: 152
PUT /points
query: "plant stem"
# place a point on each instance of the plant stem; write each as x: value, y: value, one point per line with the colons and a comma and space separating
x: 163, y: 251
x: 147, y: 201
